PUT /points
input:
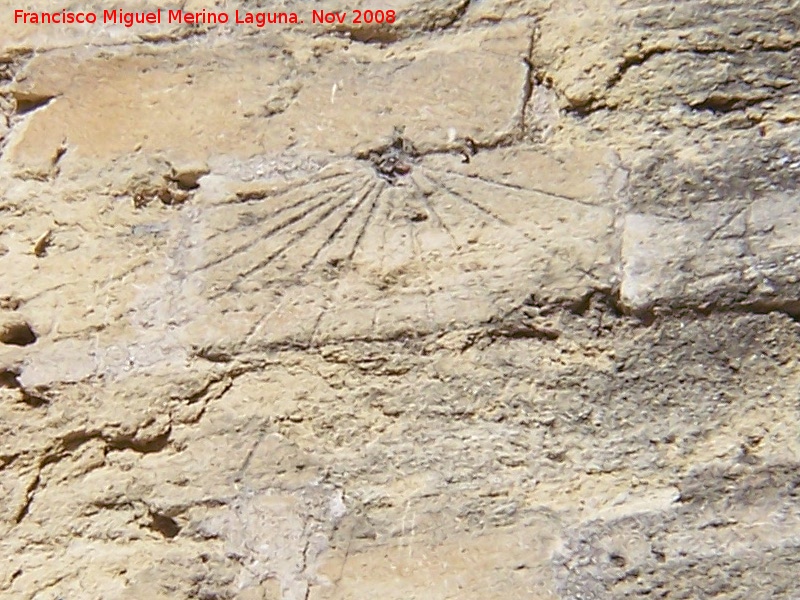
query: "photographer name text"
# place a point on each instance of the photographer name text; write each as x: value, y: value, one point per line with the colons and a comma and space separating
x: 203, y: 17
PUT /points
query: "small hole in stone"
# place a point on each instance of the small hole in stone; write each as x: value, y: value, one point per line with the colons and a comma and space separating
x: 16, y: 333
x: 27, y: 102
x: 8, y: 379
x: 166, y: 526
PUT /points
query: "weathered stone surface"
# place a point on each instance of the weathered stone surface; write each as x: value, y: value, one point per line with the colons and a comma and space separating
x: 731, y: 254
x: 497, y: 301
x: 673, y: 547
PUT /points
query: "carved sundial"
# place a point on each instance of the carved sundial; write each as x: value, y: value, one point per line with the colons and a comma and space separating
x: 338, y: 204
x: 394, y: 240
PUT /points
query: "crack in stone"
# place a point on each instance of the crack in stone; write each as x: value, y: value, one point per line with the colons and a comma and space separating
x: 30, y: 492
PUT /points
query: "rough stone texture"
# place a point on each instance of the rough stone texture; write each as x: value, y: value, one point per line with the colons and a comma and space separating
x: 499, y: 301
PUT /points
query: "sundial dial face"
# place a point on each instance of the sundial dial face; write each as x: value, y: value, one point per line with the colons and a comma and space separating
x: 360, y: 249
x: 355, y: 193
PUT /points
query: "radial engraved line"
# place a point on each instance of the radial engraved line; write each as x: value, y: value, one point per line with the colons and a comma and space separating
x: 435, y: 213
x: 59, y: 286
x: 367, y: 221
x: 338, y: 228
x: 416, y: 247
x: 297, y: 235
x: 725, y: 222
x: 719, y: 7
x: 261, y: 200
x: 520, y: 188
x: 329, y: 192
x: 259, y: 235
x: 283, y: 209
x: 315, y: 329
x: 290, y: 187
x: 275, y: 229
x: 463, y: 198
x: 261, y: 320
x: 391, y: 210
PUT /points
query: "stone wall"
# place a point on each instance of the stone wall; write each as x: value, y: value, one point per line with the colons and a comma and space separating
x: 499, y: 300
